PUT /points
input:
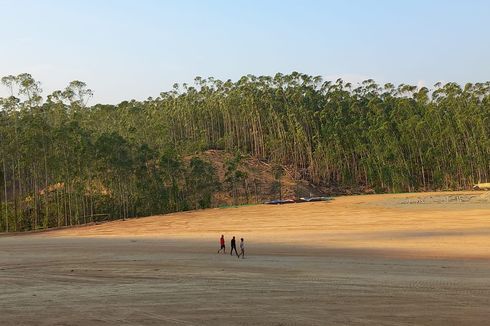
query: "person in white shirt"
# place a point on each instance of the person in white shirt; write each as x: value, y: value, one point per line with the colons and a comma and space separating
x: 242, y: 249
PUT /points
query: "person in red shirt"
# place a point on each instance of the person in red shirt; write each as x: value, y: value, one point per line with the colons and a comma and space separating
x: 222, y: 243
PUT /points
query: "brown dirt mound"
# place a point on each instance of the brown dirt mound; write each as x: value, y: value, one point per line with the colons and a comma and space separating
x: 259, y: 184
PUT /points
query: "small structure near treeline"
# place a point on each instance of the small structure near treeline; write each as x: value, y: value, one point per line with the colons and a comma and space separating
x: 482, y: 186
x: 300, y: 200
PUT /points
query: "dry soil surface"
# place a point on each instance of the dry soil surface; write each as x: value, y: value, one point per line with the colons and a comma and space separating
x: 378, y: 259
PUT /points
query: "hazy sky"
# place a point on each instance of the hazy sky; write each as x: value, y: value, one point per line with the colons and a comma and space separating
x: 135, y: 49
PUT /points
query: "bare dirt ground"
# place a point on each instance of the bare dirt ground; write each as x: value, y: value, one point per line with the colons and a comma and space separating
x: 418, y: 259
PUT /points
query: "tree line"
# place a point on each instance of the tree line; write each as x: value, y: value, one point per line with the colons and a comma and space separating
x: 64, y: 162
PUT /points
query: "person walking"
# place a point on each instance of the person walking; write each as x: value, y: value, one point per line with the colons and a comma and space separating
x: 222, y: 244
x: 242, y: 249
x: 233, y: 246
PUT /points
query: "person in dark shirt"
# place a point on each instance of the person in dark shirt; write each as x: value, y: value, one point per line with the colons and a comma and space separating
x: 222, y: 244
x: 233, y: 246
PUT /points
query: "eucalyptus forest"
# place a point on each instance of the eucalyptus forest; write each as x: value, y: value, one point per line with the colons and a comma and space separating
x: 65, y: 161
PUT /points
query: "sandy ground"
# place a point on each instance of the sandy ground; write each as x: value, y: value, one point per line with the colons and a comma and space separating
x: 377, y: 259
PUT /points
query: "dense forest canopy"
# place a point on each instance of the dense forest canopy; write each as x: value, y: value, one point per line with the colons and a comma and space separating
x: 63, y: 162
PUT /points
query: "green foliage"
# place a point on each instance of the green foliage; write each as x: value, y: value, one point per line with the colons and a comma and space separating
x: 202, y: 182
x: 234, y: 176
x: 64, y: 162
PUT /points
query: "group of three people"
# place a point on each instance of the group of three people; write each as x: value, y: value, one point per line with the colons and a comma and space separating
x: 233, y: 247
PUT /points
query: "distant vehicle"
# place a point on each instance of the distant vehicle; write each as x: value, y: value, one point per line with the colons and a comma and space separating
x: 482, y: 186
x: 301, y: 200
x: 280, y: 201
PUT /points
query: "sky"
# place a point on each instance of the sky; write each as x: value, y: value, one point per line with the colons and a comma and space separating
x: 135, y: 49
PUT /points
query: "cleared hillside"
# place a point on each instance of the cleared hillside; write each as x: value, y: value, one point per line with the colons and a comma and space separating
x: 417, y: 225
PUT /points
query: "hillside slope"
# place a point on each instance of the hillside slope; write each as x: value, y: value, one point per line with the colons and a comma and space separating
x: 261, y: 184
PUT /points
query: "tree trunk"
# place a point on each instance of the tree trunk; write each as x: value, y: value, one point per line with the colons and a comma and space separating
x: 6, y: 198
